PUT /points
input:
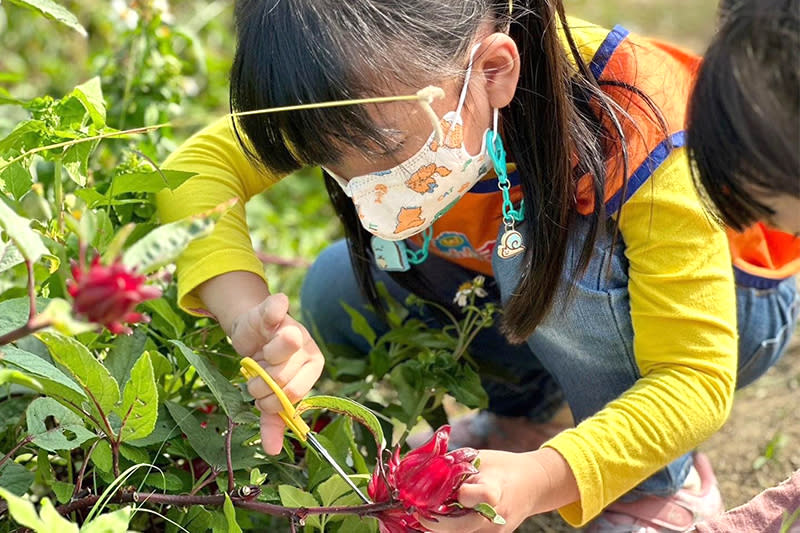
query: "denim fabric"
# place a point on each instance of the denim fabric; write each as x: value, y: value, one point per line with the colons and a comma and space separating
x: 583, y: 350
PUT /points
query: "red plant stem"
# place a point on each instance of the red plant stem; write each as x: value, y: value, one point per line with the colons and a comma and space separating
x: 228, y: 458
x: 209, y: 480
x: 244, y: 502
x: 32, y: 325
x: 82, y: 472
x: 14, y: 450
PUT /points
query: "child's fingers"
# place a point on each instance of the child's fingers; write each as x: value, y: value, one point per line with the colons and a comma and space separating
x: 273, y: 311
x: 297, y: 387
x: 282, y: 374
x: 272, y: 429
x: 287, y: 341
x: 472, y: 494
x: 256, y: 327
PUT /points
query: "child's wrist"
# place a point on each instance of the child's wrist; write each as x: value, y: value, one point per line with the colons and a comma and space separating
x: 554, y: 485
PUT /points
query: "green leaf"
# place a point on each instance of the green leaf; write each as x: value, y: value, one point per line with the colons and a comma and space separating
x: 488, y: 511
x: 18, y: 229
x: 334, y: 491
x: 53, y: 11
x: 76, y: 161
x: 52, y: 380
x: 14, y: 312
x: 167, y: 481
x: 227, y: 395
x: 17, y: 179
x: 294, y: 497
x: 12, y: 410
x: 91, y: 375
x: 15, y: 478
x: 9, y: 256
x: 208, y: 445
x: 63, y: 491
x: 230, y: 515
x: 90, y: 93
x: 116, y: 522
x: 139, y: 409
x: 466, y: 387
x: 53, y: 521
x: 357, y: 524
x: 164, y: 430
x: 22, y: 510
x: 347, y: 407
x: 359, y: 324
x: 15, y: 376
x: 124, y: 352
x: 162, y: 314
x: 164, y: 244
x: 68, y: 434
x: 102, y: 456
x: 148, y: 182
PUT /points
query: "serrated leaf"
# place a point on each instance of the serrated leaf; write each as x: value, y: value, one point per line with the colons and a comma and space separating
x: 90, y: 93
x: 9, y: 256
x: 91, y: 375
x: 18, y: 230
x: 76, y: 161
x: 227, y: 395
x: 52, y: 380
x: 139, y: 409
x: 164, y: 244
x: 68, y: 434
x: 147, y: 182
x: 294, y: 497
x: 230, y: 515
x: 347, y: 407
x: 53, y: 11
x: 15, y: 478
x: 359, y: 324
x: 17, y: 179
x: 124, y: 352
x: 488, y: 511
x: 102, y: 456
x: 166, y: 481
x: 115, y: 522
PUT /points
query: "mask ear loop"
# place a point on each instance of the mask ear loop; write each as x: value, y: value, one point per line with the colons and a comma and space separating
x: 463, y: 96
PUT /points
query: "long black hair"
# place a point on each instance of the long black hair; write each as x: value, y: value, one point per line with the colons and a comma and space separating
x: 744, y: 118
x: 300, y: 51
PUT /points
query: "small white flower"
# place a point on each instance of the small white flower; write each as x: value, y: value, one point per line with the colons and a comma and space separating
x: 468, y: 288
x: 129, y: 16
x: 162, y: 7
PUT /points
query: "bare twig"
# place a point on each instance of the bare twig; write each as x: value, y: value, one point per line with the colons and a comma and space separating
x: 229, y: 460
x: 82, y: 472
x: 16, y: 448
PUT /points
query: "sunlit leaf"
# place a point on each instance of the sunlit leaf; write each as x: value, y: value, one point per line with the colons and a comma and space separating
x: 230, y: 516
x: 69, y: 433
x: 164, y: 244
x: 115, y: 522
x: 347, y: 407
x: 52, y: 380
x: 91, y: 375
x: 139, y: 409
x: 90, y: 93
x: 18, y: 229
x: 53, y: 11
x: 147, y: 182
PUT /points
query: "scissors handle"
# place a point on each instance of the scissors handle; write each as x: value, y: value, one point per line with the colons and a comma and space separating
x: 251, y: 369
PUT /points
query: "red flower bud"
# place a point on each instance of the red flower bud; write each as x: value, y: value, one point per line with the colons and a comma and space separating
x: 108, y: 294
x: 426, y: 481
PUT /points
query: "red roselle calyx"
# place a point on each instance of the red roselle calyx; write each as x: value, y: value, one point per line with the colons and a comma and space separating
x: 108, y: 294
x: 426, y: 481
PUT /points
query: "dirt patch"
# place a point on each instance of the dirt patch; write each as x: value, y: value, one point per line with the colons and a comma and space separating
x: 757, y: 448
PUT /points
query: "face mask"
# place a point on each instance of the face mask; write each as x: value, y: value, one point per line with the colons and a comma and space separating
x: 405, y: 200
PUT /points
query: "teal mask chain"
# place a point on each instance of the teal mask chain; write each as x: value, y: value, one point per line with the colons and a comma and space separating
x: 394, y: 256
x: 510, y: 244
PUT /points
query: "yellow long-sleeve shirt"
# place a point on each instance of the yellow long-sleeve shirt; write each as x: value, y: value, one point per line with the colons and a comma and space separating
x: 681, y: 298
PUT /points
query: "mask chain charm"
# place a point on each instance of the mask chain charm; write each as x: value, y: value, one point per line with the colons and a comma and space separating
x: 511, y: 241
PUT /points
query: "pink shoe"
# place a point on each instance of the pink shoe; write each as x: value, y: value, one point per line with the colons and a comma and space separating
x: 673, y: 514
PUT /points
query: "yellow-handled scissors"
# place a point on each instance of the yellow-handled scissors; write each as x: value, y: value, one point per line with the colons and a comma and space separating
x: 250, y: 370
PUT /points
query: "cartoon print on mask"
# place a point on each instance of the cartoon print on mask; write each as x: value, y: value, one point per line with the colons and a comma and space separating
x: 408, y: 218
x: 380, y: 192
x: 452, y: 139
x: 445, y: 194
x: 423, y: 181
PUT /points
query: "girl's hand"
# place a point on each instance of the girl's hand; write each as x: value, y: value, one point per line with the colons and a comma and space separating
x: 517, y: 485
x: 285, y: 349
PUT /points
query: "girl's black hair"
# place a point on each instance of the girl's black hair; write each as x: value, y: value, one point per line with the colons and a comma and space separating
x: 299, y: 51
x: 744, y: 117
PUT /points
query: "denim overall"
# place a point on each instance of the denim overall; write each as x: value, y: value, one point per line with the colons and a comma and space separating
x: 582, y: 353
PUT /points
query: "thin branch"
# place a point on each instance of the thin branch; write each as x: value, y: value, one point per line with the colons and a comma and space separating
x: 23, y: 331
x: 82, y: 472
x: 31, y: 291
x: 206, y: 482
x: 229, y: 460
x: 16, y: 448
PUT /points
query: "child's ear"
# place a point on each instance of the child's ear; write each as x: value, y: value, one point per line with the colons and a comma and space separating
x: 498, y: 59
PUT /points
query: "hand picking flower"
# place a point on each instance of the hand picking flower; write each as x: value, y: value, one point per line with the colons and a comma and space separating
x: 426, y: 481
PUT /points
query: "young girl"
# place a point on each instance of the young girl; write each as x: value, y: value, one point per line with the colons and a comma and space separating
x: 618, y: 291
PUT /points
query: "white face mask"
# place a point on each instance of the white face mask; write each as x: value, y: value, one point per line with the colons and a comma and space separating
x: 405, y: 200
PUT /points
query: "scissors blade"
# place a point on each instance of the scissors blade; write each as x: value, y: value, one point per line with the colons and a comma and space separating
x: 320, y: 449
